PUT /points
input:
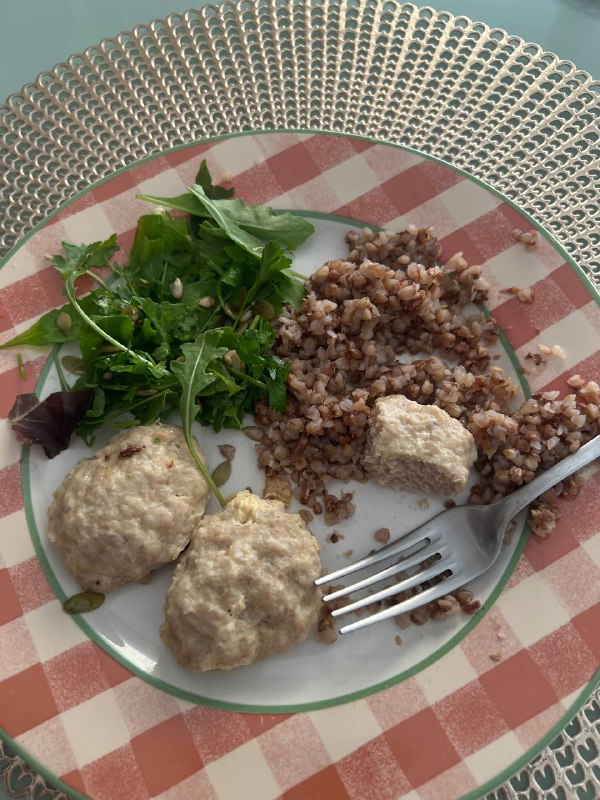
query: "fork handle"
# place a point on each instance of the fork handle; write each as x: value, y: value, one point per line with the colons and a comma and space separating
x: 515, y: 502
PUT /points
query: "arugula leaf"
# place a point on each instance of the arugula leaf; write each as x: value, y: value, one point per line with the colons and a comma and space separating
x: 249, y: 225
x: 194, y: 375
x: 186, y: 202
x: 285, y: 228
x: 193, y: 372
x: 228, y: 222
x: 288, y: 229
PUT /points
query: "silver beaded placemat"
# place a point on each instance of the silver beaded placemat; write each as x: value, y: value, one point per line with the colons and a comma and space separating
x: 504, y: 110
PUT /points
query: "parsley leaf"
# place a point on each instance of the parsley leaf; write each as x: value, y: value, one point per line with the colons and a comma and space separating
x: 274, y: 281
x: 79, y: 259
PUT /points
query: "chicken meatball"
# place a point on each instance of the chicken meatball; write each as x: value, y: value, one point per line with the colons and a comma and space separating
x: 418, y: 446
x: 245, y: 588
x: 129, y: 509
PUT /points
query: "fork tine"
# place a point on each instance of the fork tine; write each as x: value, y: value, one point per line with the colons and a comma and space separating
x: 408, y: 583
x: 407, y: 542
x: 407, y: 563
x: 449, y: 584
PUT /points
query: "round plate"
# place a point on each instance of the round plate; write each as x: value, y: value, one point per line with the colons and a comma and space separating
x: 440, y: 715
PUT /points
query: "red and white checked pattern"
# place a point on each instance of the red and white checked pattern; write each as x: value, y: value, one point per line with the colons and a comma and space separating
x: 437, y: 735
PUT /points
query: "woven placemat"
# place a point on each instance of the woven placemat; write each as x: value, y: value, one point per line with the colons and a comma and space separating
x: 506, y: 111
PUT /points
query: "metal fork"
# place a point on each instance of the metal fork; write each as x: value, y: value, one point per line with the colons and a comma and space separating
x: 464, y: 541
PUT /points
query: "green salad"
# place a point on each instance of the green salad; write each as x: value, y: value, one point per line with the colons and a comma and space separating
x: 185, y: 324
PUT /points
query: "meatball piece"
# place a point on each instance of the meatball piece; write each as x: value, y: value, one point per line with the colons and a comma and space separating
x: 417, y: 446
x: 245, y: 588
x: 129, y: 509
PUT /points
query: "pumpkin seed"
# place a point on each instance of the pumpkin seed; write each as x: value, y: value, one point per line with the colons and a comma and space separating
x: 227, y: 451
x: 73, y: 364
x: 222, y: 473
x: 254, y: 432
x: 264, y: 309
x: 21, y: 367
x: 83, y: 602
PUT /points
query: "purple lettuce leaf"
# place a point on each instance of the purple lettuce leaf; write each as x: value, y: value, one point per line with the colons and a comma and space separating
x: 49, y: 422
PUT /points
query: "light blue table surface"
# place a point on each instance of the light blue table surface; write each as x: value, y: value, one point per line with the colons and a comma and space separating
x: 36, y: 34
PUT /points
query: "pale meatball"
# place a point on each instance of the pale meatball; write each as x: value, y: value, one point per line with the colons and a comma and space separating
x: 417, y: 446
x: 245, y: 588
x: 129, y: 509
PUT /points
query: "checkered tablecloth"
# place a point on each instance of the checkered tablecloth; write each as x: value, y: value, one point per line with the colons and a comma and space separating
x: 443, y: 732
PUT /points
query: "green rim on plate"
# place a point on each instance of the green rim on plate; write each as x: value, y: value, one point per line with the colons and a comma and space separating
x: 184, y: 695
x: 533, y: 142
